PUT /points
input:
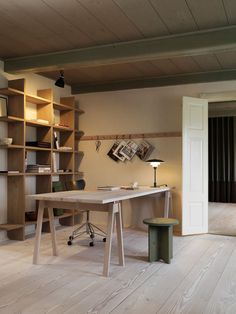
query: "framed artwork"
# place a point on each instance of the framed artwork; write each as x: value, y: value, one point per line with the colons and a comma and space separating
x: 117, y: 151
x: 144, y: 150
x: 111, y: 151
x: 129, y: 150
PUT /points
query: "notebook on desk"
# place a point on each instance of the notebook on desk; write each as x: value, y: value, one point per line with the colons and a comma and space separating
x: 108, y: 188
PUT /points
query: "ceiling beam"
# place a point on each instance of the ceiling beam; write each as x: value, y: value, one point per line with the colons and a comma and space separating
x: 195, y: 43
x: 180, y: 79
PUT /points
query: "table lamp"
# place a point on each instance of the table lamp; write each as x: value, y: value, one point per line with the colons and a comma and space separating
x: 155, y: 163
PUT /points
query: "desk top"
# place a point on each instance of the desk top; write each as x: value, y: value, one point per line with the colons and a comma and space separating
x: 98, y: 196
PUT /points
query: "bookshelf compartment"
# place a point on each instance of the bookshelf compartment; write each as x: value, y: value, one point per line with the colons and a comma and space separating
x: 15, y: 160
x: 38, y: 137
x: 38, y: 109
x: 66, y: 162
x: 66, y: 139
x: 16, y: 132
x: 64, y: 120
x: 15, y: 106
x: 16, y: 202
x: 43, y: 184
x: 43, y: 157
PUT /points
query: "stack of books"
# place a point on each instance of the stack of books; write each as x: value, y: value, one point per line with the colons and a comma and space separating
x: 37, y: 168
x: 39, y: 144
x: 108, y: 188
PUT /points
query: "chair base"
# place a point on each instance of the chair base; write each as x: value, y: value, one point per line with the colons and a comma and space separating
x: 90, y: 229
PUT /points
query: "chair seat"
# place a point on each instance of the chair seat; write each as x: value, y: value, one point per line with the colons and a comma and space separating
x: 161, y: 221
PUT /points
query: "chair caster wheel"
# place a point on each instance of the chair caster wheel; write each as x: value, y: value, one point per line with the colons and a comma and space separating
x: 71, y: 238
x: 91, y: 244
x: 69, y: 242
x: 92, y: 236
x: 104, y: 240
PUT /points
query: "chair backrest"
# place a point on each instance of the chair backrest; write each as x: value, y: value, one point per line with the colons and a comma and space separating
x: 80, y: 184
x: 75, y: 185
x: 58, y: 186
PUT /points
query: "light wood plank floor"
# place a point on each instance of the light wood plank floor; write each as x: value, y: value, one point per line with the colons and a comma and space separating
x: 222, y: 218
x: 200, y: 279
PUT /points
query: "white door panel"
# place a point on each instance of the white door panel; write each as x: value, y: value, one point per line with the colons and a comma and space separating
x: 195, y: 166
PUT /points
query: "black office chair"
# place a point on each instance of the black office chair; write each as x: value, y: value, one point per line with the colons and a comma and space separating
x: 89, y: 227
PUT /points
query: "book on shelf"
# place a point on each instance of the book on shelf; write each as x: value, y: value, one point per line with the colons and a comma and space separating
x: 62, y: 125
x: 56, y: 144
x: 37, y: 168
x: 38, y: 165
x: 108, y: 188
x: 39, y: 144
x: 9, y: 171
x: 65, y: 148
x: 64, y: 170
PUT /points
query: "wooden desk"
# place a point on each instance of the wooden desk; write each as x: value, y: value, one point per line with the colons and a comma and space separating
x: 108, y: 201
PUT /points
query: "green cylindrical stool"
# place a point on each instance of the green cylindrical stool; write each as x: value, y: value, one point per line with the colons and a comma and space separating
x: 160, y: 238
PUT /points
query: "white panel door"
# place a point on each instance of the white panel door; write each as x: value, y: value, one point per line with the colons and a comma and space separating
x: 195, y: 166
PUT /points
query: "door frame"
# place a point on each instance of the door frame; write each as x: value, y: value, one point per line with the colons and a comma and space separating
x: 227, y: 96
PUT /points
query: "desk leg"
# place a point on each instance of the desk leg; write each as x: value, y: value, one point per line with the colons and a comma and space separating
x: 167, y: 204
x: 53, y: 232
x: 110, y: 223
x: 119, y: 231
x: 38, y: 232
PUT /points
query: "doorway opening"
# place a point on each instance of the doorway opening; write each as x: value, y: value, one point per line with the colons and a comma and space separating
x: 222, y: 168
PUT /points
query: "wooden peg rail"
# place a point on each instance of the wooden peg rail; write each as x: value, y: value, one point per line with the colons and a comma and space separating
x: 130, y: 136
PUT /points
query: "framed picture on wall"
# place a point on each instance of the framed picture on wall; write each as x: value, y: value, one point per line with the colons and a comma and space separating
x: 111, y: 151
x: 129, y: 150
x: 144, y: 150
x: 3, y: 106
x: 117, y: 151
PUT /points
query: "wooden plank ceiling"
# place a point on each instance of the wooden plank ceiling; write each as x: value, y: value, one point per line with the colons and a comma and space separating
x: 47, y: 26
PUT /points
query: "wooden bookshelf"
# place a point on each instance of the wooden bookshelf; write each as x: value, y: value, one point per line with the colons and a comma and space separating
x: 22, y: 128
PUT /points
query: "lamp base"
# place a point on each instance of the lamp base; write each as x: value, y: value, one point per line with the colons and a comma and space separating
x: 159, y: 186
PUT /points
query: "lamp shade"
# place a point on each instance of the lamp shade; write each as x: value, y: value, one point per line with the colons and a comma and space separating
x: 61, y: 81
x: 155, y: 162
